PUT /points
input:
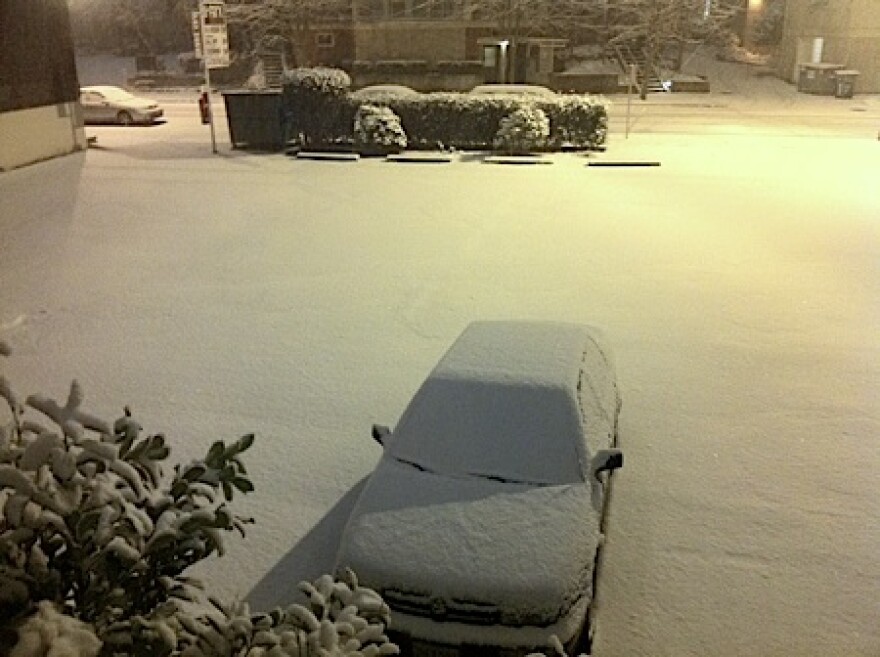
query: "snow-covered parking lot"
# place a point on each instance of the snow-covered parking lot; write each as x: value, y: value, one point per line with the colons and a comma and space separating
x: 738, y: 283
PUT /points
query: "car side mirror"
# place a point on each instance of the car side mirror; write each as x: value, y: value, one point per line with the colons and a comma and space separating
x: 380, y: 433
x: 606, y: 460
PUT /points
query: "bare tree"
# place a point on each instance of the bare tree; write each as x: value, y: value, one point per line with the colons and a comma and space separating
x: 287, y: 24
x: 147, y: 27
x: 655, y: 31
x: 658, y: 30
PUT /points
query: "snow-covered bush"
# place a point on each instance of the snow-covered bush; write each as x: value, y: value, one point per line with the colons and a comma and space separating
x: 448, y: 120
x: 377, y: 128
x: 525, y: 130
x: 320, y: 79
x: 48, y: 633
x: 471, y: 122
x: 314, y: 105
x: 340, y: 618
x: 92, y: 525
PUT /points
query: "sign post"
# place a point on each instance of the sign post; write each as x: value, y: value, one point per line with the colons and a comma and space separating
x: 212, y: 47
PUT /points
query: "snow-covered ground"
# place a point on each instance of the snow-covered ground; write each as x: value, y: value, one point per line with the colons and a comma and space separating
x: 738, y: 284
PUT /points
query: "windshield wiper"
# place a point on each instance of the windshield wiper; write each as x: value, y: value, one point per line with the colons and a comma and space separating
x: 415, y: 465
x: 506, y: 480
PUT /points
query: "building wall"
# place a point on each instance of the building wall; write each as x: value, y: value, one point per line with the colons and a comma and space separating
x: 850, y: 33
x: 39, y: 91
x: 431, y: 41
x: 39, y: 133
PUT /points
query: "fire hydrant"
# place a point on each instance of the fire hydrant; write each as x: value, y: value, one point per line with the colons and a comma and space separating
x: 204, y: 108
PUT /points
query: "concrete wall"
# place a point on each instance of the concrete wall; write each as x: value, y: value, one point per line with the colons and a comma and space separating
x: 39, y: 91
x: 850, y: 30
x: 39, y: 133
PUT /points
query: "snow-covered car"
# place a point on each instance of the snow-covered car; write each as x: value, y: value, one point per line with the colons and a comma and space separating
x: 531, y: 90
x: 384, y: 92
x: 481, y: 524
x: 107, y: 104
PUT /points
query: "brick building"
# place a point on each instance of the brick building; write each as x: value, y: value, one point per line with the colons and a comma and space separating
x: 438, y: 44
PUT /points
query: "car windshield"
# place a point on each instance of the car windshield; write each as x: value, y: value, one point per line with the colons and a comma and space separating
x: 495, y: 429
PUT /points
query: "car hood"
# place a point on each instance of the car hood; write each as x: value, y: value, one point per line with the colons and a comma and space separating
x: 443, y: 545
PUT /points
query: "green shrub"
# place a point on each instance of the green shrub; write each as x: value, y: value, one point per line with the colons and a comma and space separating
x: 96, y: 537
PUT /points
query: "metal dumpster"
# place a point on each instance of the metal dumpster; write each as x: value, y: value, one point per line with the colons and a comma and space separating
x: 845, y: 83
x: 255, y: 119
x: 818, y: 79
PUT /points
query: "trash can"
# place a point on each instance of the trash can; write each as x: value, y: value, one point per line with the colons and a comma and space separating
x: 846, y: 83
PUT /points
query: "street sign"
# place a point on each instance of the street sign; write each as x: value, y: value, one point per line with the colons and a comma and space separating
x: 215, y: 42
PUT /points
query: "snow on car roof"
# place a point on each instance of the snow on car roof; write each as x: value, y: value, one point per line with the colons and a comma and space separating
x: 540, y: 353
x: 502, y: 403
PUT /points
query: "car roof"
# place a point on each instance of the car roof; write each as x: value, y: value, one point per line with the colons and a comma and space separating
x: 541, y: 353
x: 102, y: 88
x: 503, y: 403
x: 528, y: 89
x: 395, y: 89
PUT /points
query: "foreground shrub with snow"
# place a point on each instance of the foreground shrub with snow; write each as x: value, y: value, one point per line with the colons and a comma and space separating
x: 96, y: 537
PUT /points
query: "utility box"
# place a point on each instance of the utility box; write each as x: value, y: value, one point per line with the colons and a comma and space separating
x: 818, y: 79
x: 846, y: 83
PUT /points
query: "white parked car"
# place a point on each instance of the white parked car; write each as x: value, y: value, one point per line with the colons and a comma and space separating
x: 531, y: 90
x: 482, y: 521
x: 106, y: 104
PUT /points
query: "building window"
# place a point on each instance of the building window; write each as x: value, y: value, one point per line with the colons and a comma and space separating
x: 325, y: 39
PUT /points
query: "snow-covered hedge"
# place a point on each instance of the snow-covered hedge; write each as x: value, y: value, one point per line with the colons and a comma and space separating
x: 314, y: 105
x: 378, y: 129
x: 439, y: 120
x: 96, y: 536
x: 472, y: 122
x: 526, y: 129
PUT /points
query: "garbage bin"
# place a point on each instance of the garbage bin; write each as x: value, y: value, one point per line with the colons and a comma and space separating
x: 846, y: 83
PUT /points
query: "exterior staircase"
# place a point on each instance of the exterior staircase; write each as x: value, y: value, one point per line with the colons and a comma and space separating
x: 627, y: 56
x: 273, y: 68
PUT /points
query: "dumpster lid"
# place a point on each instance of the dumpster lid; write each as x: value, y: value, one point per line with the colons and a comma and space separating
x: 824, y: 66
x: 251, y: 92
